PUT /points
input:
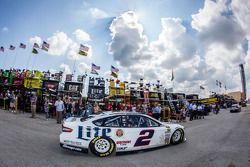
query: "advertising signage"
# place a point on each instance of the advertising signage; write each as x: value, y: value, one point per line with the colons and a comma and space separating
x: 73, y: 86
x: 50, y: 84
x: 96, y: 88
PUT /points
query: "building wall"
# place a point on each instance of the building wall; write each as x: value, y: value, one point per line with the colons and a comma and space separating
x: 236, y: 95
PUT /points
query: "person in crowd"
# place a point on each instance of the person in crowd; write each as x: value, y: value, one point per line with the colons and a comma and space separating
x: 23, y: 102
x: 156, y: 112
x: 97, y: 109
x: 217, y: 109
x: 5, y: 101
x: 134, y: 108
x: 46, y: 108
x: 68, y: 107
x: 110, y: 106
x: 214, y: 108
x: 76, y: 108
x: 190, y: 110
x: 178, y: 113
x: 12, y: 99
x: 59, y: 109
x: 194, y: 110
x: 89, y: 109
x: 183, y: 113
x: 33, y: 103
x: 18, y: 102
x: 199, y: 111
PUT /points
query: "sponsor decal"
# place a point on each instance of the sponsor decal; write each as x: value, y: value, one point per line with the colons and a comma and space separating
x: 121, y: 148
x: 72, y: 147
x: 144, y: 137
x: 167, y: 138
x: 72, y: 142
x: 122, y: 143
x: 119, y: 133
x: 86, y: 133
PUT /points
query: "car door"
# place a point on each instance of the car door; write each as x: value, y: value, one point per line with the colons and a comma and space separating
x: 140, y: 132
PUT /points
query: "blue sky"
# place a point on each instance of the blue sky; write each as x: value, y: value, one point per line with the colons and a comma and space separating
x: 25, y: 19
x: 155, y: 37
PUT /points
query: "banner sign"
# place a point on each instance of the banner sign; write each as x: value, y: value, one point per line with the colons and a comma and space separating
x: 73, y: 86
x: 32, y: 83
x: 153, y: 95
x: 69, y: 77
x: 50, y: 84
x: 18, y: 81
x: 116, y: 89
x: 96, y: 92
x: 96, y: 89
x: 209, y: 100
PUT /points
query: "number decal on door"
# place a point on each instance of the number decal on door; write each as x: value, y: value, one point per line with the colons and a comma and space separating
x: 144, y: 138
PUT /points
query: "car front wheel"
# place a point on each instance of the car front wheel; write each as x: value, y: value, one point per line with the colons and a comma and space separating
x: 102, y: 146
x: 177, y: 136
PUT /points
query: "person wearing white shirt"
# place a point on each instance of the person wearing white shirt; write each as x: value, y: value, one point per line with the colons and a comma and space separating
x: 59, y: 109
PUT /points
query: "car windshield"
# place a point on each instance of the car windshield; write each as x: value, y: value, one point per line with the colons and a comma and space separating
x: 86, y: 118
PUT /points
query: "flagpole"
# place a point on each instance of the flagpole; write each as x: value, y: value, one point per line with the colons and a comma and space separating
x: 34, y: 62
x: 14, y: 62
x: 4, y: 62
x: 73, y: 70
x: 28, y: 62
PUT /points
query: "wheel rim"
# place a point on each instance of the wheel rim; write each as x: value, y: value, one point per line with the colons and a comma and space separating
x: 102, y: 145
x: 177, y: 136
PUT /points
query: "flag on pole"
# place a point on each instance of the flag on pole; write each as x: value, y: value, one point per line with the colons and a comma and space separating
x: 95, y: 67
x: 201, y: 87
x: 23, y: 46
x: 113, y: 69
x: 34, y: 51
x: 12, y: 47
x: 220, y: 84
x: 36, y: 45
x: 93, y: 71
x: 83, y: 50
x: 172, y: 77
x: 114, y: 74
x: 2, y: 49
x: 45, y: 46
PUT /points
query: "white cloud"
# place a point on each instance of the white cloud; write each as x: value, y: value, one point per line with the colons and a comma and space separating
x: 97, y: 13
x: 222, y: 36
x: 220, y: 51
x: 242, y: 15
x: 59, y: 43
x: 215, y: 24
x: 82, y: 35
x: 128, y: 42
x: 83, y: 67
x: 65, y: 68
x: 132, y: 50
x: 73, y: 50
x: 35, y: 39
x: 5, y: 29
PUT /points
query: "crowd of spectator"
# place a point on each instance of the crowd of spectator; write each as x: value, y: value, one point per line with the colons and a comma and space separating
x: 64, y: 107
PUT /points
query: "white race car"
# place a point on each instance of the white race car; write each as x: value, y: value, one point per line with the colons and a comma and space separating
x: 118, y: 131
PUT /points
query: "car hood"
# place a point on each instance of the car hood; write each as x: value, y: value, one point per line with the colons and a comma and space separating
x: 173, y: 125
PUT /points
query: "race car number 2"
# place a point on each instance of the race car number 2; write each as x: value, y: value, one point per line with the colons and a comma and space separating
x: 144, y: 137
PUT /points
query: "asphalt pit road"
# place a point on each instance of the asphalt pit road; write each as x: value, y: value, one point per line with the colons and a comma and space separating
x: 146, y: 150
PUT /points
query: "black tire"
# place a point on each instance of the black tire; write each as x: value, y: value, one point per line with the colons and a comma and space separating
x: 102, y: 146
x: 177, y: 136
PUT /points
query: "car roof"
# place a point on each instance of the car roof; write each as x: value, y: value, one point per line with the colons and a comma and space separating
x: 111, y: 113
